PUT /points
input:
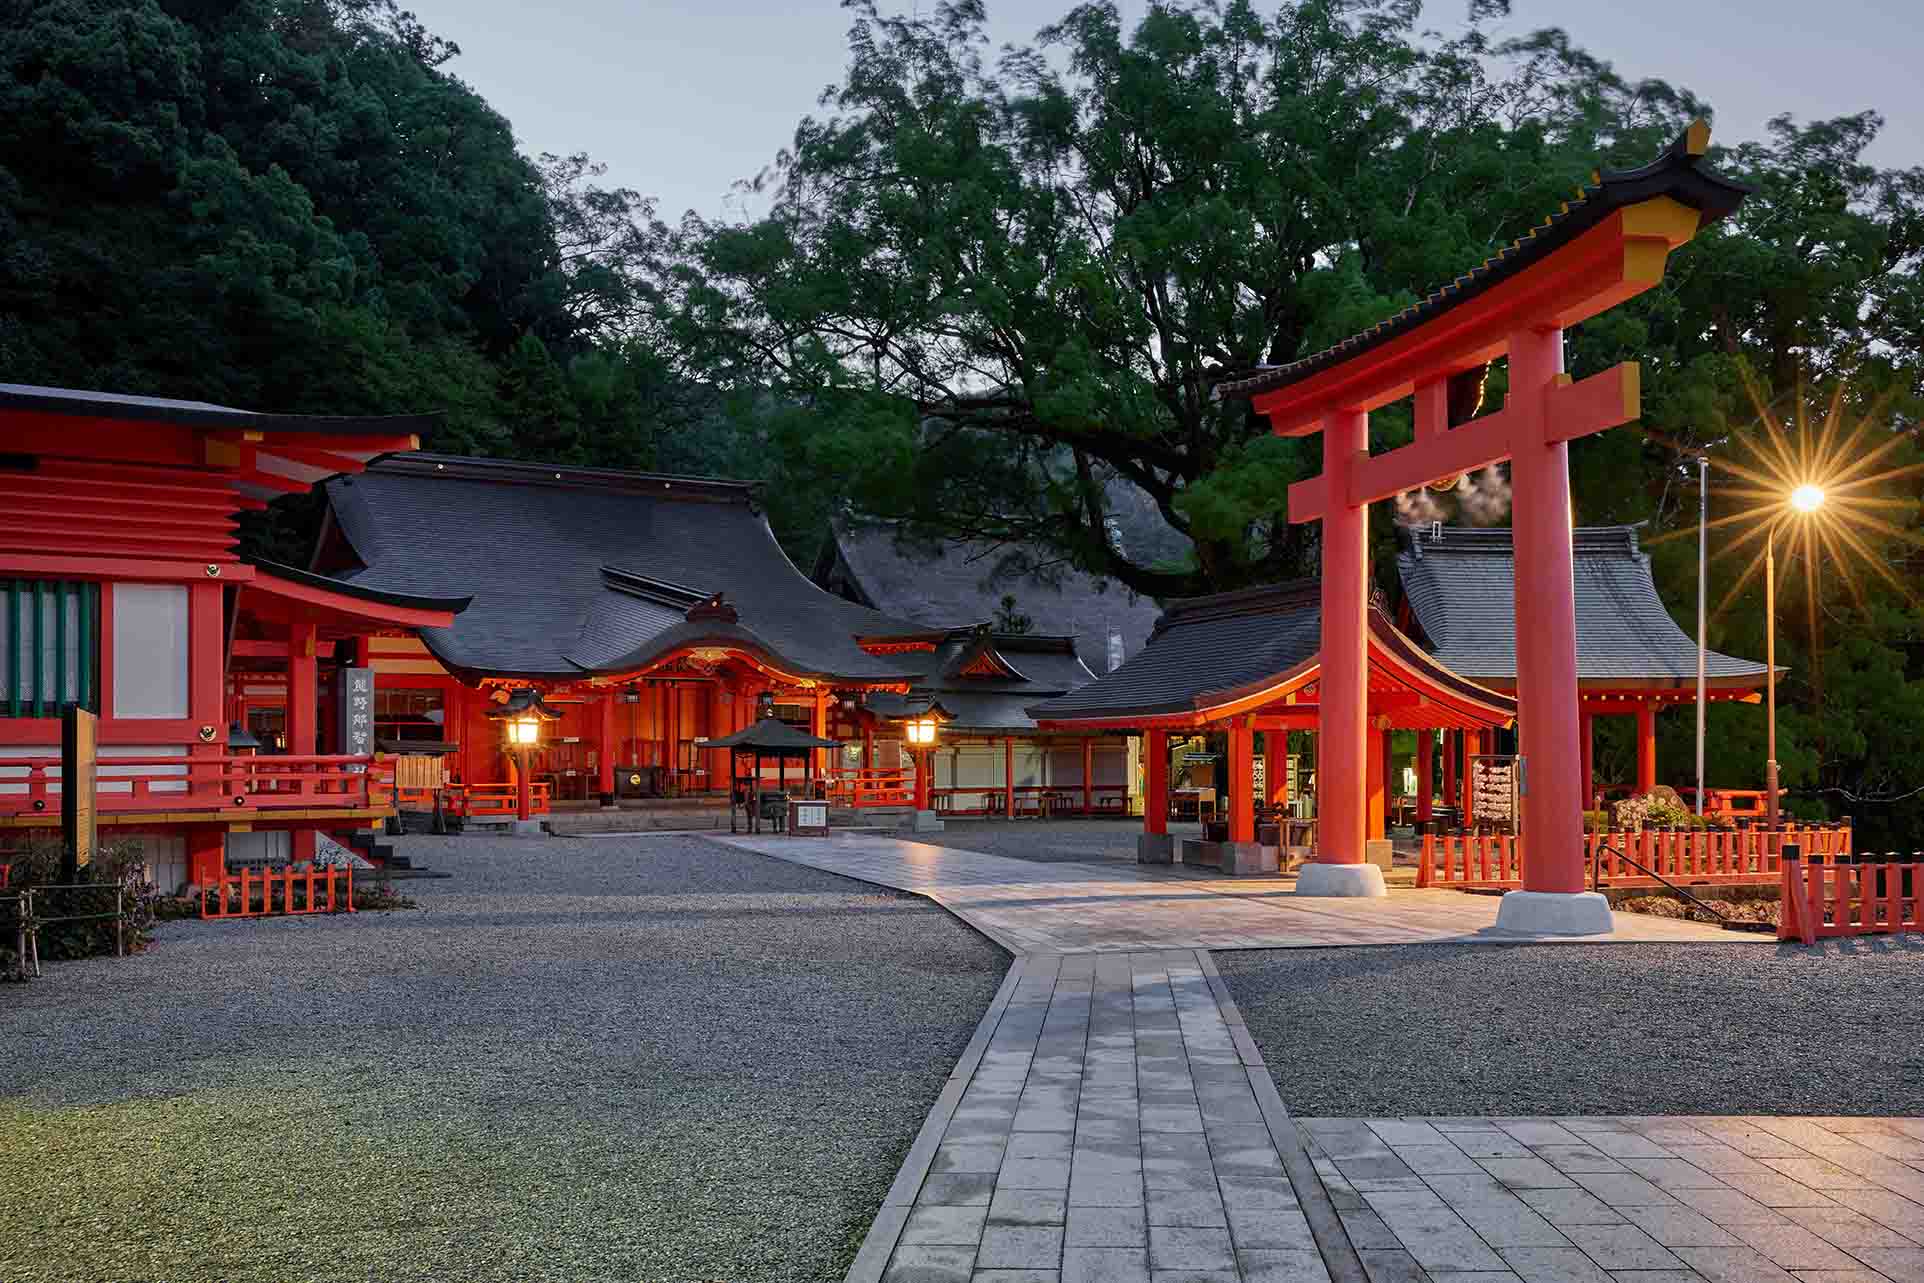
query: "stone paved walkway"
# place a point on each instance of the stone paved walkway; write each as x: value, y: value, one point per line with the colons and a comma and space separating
x: 1113, y: 1122
x: 1073, y: 908
x: 1113, y: 1128
x: 1650, y: 1200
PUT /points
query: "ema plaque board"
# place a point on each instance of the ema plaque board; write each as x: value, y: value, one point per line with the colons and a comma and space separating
x: 78, y: 754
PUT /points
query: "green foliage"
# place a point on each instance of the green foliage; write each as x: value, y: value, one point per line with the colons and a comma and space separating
x: 86, y: 908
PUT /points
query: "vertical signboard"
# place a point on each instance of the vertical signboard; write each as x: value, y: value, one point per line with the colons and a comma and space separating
x: 357, y: 710
x: 77, y: 782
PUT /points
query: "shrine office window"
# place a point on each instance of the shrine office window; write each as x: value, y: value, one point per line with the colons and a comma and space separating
x: 49, y: 646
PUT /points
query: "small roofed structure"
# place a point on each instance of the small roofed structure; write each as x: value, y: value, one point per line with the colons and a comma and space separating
x: 1632, y: 658
x: 1249, y: 663
x: 767, y: 736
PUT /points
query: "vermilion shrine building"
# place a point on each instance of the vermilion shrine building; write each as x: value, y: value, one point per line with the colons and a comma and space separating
x: 123, y: 594
x: 654, y: 613
x: 1632, y: 658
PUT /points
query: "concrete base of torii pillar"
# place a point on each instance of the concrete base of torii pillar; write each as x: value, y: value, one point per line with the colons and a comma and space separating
x: 1555, y: 913
x: 1316, y: 878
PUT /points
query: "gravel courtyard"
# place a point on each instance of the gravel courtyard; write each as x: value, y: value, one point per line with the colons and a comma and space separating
x: 654, y: 1060
x: 1588, y: 1029
x: 1051, y: 841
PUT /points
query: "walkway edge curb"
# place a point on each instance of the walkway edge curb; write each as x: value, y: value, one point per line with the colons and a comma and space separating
x: 886, y: 1230
x: 1325, y: 1226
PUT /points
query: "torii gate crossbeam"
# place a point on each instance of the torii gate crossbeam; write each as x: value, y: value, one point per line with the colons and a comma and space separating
x: 1610, y: 244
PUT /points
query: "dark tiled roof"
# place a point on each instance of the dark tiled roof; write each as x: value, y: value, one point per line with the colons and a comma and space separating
x: 1460, y: 585
x: 771, y: 735
x: 364, y: 592
x: 204, y: 414
x: 576, y: 570
x: 965, y: 583
x: 1679, y: 174
x: 1201, y: 646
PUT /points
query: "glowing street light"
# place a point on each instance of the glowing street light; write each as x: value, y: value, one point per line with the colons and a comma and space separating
x: 1807, y: 498
x: 522, y: 714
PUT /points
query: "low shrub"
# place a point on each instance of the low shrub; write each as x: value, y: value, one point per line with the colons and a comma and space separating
x: 115, y: 866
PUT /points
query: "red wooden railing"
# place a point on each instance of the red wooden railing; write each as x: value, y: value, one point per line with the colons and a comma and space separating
x: 486, y: 800
x: 1490, y: 861
x: 323, y: 890
x: 31, y: 785
x: 872, y: 786
x: 1821, y: 899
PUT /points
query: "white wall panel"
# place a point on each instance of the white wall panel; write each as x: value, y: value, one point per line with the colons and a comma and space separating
x: 150, y: 650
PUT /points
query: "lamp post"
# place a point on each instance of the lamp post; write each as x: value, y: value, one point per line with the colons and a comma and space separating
x: 1805, y: 499
x: 521, y: 714
x: 920, y: 731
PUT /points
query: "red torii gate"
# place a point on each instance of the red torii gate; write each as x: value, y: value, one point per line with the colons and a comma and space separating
x: 1610, y: 243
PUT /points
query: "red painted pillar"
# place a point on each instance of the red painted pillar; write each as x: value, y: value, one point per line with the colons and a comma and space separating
x: 605, y: 783
x: 302, y: 677
x: 1242, y: 780
x: 1378, y: 772
x: 1008, y: 778
x: 1452, y: 747
x: 924, y: 760
x: 818, y: 726
x: 523, y: 789
x: 207, y: 693
x: 1088, y: 774
x: 206, y: 854
x: 671, y: 730
x: 1276, y: 767
x: 1155, y: 782
x: 1425, y: 800
x: 1646, y: 746
x: 1342, y: 748
x: 1547, y: 694
x: 1587, y: 725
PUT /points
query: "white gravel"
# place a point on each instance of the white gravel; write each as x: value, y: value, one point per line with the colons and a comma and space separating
x: 654, y: 1059
x: 1589, y: 1029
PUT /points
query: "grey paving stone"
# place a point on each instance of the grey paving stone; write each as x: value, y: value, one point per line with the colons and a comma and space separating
x: 1365, y: 1229
x: 1286, y: 1227
x: 1439, y: 1239
x: 1028, y: 1207
x: 1263, y: 1266
x: 1034, y: 1173
x: 1393, y: 1266
x: 1847, y: 1227
x: 1819, y: 1173
x: 1489, y: 1144
x: 1731, y: 1206
x: 918, y: 1264
x: 1622, y: 1247
x: 1439, y: 1160
x: 1625, y: 1144
x: 1106, y: 1189
x: 1183, y: 1248
x: 1251, y: 1191
x: 1194, y: 1208
x: 1680, y: 1227
x: 1016, y: 1276
x: 1673, y: 1173
x: 1194, y: 1276
x: 1899, y: 1264
x: 956, y: 1190
x: 946, y: 1225
x: 1395, y: 1132
x: 1578, y: 1158
x: 1526, y: 1173
x: 1039, y: 1145
x: 1374, y: 1167
x: 968, y: 1156
x: 1107, y: 1227
x: 1793, y: 1247
x: 1020, y: 1247
x: 1775, y: 1190
x: 1553, y: 1265
x: 1478, y: 1187
x: 1732, y: 1265
x: 1570, y: 1207
x: 1172, y: 1118
x: 1105, y: 1265
x: 1718, y: 1158
x: 1622, y: 1189
x: 1535, y: 1132
x: 1514, y: 1225
x: 1886, y: 1208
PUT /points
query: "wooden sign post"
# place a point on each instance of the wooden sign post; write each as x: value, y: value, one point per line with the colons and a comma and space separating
x: 77, y: 783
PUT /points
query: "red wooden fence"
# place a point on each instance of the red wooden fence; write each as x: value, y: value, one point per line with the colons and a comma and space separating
x: 1494, y: 861
x: 1850, y: 899
x: 328, y: 889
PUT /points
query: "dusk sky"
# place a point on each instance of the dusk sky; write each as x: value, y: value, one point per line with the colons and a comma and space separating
x: 682, y: 99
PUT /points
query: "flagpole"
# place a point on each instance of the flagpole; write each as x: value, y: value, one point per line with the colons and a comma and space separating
x: 1703, y: 555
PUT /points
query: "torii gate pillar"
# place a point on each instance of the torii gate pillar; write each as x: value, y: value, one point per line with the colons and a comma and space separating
x: 1550, y: 769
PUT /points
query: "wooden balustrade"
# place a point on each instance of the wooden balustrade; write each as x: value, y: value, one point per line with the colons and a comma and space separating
x: 1490, y: 861
x: 872, y: 786
x: 490, y: 800
x: 176, y: 782
x: 325, y: 889
x: 1823, y: 899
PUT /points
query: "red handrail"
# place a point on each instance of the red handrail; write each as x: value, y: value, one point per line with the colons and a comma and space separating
x: 1488, y: 861
x: 180, y: 781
